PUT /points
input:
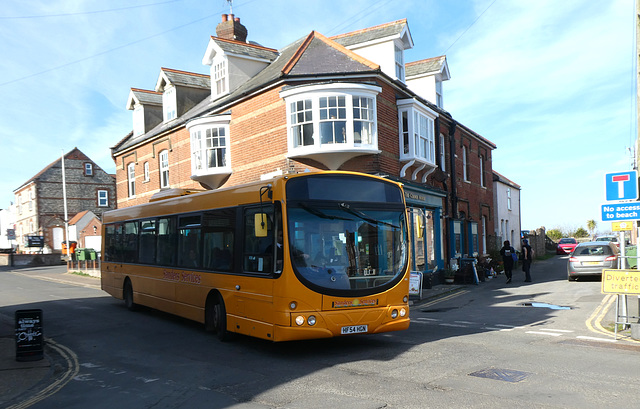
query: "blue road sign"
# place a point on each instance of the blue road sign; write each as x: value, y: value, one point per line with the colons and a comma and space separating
x: 613, y: 212
x: 621, y: 185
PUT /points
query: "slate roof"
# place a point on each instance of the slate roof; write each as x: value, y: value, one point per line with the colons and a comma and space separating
x: 500, y: 178
x: 391, y: 29
x: 246, y: 49
x: 186, y: 79
x: 147, y: 97
x: 427, y: 66
x: 52, y: 164
x: 311, y: 55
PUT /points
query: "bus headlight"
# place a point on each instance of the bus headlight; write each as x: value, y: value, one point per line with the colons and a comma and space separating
x: 403, y: 312
x: 311, y: 320
x: 405, y: 299
x: 394, y: 314
x: 299, y: 320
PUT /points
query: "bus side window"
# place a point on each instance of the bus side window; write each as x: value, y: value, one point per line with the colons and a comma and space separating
x: 258, y: 250
x: 166, y: 241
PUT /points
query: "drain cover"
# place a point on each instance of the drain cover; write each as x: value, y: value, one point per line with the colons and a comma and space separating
x: 506, y: 375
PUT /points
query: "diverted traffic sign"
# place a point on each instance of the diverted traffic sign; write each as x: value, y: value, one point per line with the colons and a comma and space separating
x: 613, y: 212
x: 621, y: 282
x: 622, y: 226
x: 621, y: 186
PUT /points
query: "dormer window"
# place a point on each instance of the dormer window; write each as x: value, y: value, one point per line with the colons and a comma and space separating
x: 399, y: 60
x: 169, y: 104
x: 439, y: 101
x: 219, y: 74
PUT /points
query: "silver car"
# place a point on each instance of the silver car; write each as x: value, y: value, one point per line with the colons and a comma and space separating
x: 589, y: 259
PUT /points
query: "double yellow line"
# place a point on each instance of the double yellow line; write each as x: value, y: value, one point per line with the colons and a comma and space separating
x: 594, y: 322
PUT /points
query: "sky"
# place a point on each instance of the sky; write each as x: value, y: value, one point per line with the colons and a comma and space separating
x: 551, y: 83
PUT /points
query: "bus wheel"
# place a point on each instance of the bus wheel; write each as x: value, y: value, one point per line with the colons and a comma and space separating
x: 128, y: 296
x: 220, y: 320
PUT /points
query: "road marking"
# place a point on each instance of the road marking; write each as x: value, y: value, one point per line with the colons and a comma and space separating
x: 71, y: 371
x: 596, y: 339
x: 555, y: 330
x: 543, y: 333
x: 445, y: 298
x: 465, y: 322
x: 444, y: 324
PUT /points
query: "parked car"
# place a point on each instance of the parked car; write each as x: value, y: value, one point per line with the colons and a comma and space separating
x: 589, y: 259
x: 566, y: 245
x: 610, y: 239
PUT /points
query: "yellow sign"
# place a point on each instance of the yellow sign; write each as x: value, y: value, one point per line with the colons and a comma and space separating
x: 621, y: 282
x: 622, y: 226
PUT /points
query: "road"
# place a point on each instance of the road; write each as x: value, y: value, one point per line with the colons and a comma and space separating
x: 490, y: 345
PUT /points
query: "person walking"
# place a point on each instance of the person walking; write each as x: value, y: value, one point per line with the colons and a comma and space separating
x: 509, y: 256
x: 527, y: 258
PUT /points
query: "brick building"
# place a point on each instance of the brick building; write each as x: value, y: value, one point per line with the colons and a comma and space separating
x: 39, y: 203
x: 349, y: 102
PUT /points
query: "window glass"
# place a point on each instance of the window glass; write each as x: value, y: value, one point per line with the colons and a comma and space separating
x: 146, y: 171
x: 189, y: 235
x: 164, y: 169
x: 363, y: 120
x: 219, y: 77
x: 88, y: 169
x: 302, y: 123
x: 130, y: 242
x: 147, y: 253
x: 217, y: 239
x: 169, y: 104
x: 259, y: 253
x: 131, y: 178
x: 166, y: 241
x: 103, y: 198
x: 196, y: 149
x: 216, y: 147
x: 333, y: 115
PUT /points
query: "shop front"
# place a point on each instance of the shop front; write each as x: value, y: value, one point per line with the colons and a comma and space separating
x: 426, y: 231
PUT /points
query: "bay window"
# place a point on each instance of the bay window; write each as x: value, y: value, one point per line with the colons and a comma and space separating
x: 210, y: 159
x: 331, y: 123
x: 417, y: 135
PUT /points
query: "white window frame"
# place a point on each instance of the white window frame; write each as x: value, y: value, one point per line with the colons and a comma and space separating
x: 169, y: 104
x: 305, y: 110
x: 443, y: 162
x: 146, y: 171
x: 508, y: 198
x: 219, y: 77
x: 131, y: 179
x: 163, y: 166
x: 88, y: 169
x: 465, y: 164
x: 439, y: 98
x: 482, y: 182
x: 417, y: 142
x: 209, y: 131
x: 398, y: 54
x: 103, y: 198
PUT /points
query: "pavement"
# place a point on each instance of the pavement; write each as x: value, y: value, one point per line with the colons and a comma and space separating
x: 25, y: 383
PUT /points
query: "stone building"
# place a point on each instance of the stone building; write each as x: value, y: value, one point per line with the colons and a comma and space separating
x: 39, y: 202
x: 348, y: 102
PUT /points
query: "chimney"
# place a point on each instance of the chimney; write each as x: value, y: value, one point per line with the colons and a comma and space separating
x: 231, y: 29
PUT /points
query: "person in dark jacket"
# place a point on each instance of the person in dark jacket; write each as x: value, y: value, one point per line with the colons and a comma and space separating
x: 527, y: 258
x: 507, y: 252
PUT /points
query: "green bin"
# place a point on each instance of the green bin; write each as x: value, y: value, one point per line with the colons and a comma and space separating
x: 92, y: 255
x: 81, y: 254
x: 631, y: 252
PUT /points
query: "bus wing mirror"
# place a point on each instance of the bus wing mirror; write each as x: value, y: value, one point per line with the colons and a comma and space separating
x: 261, y: 223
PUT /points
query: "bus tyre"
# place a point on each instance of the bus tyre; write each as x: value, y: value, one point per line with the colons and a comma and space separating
x: 220, y: 320
x: 128, y: 296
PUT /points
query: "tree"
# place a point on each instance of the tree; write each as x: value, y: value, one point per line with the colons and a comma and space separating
x: 580, y: 232
x: 591, y: 226
x: 554, y: 234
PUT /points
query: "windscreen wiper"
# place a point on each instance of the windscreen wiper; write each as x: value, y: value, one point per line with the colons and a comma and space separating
x: 370, y: 220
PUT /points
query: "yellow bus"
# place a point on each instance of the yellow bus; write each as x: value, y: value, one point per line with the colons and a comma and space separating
x: 311, y: 255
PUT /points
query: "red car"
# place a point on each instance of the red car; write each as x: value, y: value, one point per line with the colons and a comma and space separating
x: 566, y: 245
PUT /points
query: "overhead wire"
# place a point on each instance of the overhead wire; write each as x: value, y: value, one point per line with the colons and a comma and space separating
x: 467, y: 29
x: 80, y: 13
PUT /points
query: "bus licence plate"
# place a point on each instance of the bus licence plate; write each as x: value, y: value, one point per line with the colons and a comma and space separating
x: 354, y: 329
